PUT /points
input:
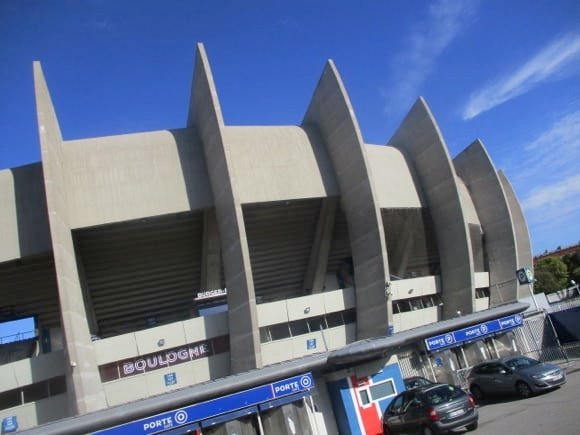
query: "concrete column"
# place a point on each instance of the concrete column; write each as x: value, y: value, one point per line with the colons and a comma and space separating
x: 331, y: 116
x: 523, y: 244
x: 420, y: 140
x: 205, y: 114
x: 476, y: 169
x: 317, y: 265
x: 84, y: 386
x: 211, y: 257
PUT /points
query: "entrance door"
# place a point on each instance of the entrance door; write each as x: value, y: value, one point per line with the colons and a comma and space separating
x: 446, y: 365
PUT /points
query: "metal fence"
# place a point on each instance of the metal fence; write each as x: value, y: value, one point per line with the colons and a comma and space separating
x: 537, y: 339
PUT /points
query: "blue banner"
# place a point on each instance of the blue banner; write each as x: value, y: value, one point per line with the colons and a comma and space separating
x: 211, y: 408
x: 475, y: 332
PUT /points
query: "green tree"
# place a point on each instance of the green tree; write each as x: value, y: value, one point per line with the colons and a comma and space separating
x: 545, y: 282
x: 551, y: 274
x: 575, y: 274
x: 572, y: 262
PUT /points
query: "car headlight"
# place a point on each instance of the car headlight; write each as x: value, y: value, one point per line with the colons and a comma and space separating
x: 538, y: 376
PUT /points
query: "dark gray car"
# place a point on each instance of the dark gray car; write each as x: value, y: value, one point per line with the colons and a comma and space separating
x: 430, y: 409
x: 515, y: 374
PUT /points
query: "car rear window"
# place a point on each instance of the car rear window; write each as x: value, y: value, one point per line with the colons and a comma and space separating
x: 442, y: 394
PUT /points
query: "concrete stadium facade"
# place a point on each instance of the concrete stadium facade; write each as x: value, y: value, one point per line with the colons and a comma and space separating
x: 240, y: 247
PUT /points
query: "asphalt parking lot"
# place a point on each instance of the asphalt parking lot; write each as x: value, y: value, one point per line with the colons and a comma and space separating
x: 553, y: 412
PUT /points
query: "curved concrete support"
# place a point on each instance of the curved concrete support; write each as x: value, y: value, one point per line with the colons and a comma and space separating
x: 476, y: 169
x: 523, y: 244
x: 205, y: 115
x: 420, y: 139
x: 84, y: 385
x: 331, y: 115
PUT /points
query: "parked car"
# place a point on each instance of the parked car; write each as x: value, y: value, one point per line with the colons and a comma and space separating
x: 416, y: 381
x: 514, y: 374
x: 430, y: 409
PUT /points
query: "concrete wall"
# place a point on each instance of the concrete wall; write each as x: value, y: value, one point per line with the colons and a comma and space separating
x: 331, y: 116
x: 471, y: 216
x: 278, y: 163
x: 84, y: 387
x: 302, y: 308
x: 144, y: 342
x: 413, y: 319
x: 523, y: 244
x: 24, y: 227
x: 118, y: 178
x: 205, y: 114
x: 421, y: 141
x: 415, y: 287
x: 475, y: 167
x: 392, y: 178
x: 42, y: 411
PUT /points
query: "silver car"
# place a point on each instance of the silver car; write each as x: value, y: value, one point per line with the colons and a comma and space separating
x: 514, y: 374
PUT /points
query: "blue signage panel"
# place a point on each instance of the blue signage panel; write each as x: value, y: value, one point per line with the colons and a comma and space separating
x: 170, y: 378
x: 311, y: 344
x: 211, y: 408
x: 475, y: 332
x: 10, y: 424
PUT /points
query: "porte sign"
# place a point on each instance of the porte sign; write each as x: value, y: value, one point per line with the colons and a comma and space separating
x: 475, y: 332
x: 212, y: 408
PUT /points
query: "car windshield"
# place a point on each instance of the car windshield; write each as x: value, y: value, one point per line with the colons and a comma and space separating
x: 416, y: 382
x: 521, y: 362
x: 442, y: 394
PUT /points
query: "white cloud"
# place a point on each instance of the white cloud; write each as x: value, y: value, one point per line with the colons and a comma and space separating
x: 445, y: 22
x: 564, y: 193
x: 545, y: 173
x: 553, y: 154
x: 548, y: 63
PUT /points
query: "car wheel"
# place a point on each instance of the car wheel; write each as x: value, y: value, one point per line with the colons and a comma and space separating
x: 523, y: 390
x: 472, y: 426
x: 477, y: 392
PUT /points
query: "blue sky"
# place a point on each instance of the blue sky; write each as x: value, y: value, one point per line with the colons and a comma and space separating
x: 507, y: 72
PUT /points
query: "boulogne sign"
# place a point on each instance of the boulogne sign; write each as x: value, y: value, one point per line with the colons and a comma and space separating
x: 165, y: 358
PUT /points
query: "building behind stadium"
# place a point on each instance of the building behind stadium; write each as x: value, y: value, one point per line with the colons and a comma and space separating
x: 174, y: 267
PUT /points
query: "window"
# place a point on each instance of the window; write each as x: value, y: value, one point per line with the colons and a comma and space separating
x: 298, y: 327
x: 481, y: 293
x: 382, y: 390
x: 349, y: 316
x: 364, y: 397
x: 10, y: 398
x: 57, y: 386
x: 280, y: 331
x: 33, y: 392
x: 414, y: 304
x: 305, y: 326
x: 316, y: 323
x: 334, y: 319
